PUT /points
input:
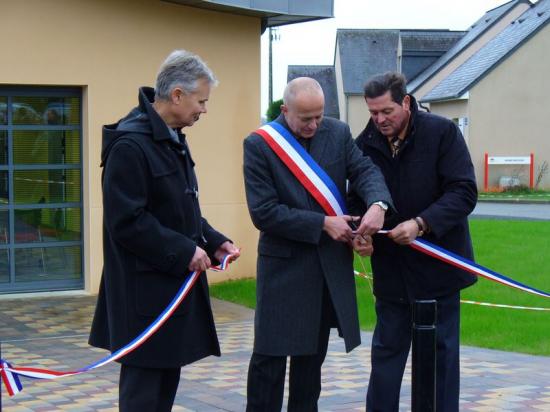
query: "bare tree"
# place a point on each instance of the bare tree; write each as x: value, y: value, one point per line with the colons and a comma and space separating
x: 542, y: 171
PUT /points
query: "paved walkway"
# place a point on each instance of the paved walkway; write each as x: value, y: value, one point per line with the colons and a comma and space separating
x: 524, y: 210
x: 52, y: 333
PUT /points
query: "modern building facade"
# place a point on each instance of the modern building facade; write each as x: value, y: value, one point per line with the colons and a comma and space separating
x: 69, y: 67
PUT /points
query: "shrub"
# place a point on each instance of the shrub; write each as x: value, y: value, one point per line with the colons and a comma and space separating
x: 274, y: 110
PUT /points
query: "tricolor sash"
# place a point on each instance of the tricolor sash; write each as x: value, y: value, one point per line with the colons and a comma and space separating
x: 300, y: 163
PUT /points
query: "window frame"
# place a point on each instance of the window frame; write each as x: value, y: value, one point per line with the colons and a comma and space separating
x: 11, y: 246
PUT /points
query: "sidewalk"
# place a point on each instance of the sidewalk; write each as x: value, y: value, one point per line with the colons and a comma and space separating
x: 52, y: 333
x: 506, y: 210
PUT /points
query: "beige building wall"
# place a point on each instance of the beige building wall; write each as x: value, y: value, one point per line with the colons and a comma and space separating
x: 509, y: 110
x: 470, y: 50
x: 358, y: 114
x: 109, y: 48
x: 342, y: 103
x: 456, y: 110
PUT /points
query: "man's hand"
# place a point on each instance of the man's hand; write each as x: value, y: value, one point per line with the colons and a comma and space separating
x: 363, y: 245
x: 200, y: 261
x: 372, y: 221
x: 337, y: 227
x: 405, y: 232
x: 227, y: 248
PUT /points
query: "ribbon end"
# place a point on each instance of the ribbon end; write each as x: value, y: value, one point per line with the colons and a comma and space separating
x: 11, y: 380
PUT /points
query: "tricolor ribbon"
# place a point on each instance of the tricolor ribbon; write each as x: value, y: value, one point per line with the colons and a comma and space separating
x: 460, y: 262
x: 465, y: 264
x: 308, y: 172
x: 10, y: 379
x: 10, y: 375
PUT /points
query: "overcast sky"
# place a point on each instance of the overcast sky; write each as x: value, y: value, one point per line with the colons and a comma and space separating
x: 313, y: 42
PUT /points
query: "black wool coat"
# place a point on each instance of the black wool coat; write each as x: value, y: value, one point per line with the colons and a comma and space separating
x: 295, y: 256
x: 151, y: 225
x: 431, y: 177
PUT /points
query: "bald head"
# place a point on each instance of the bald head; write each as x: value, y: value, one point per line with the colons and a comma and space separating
x: 303, y: 106
x: 302, y: 87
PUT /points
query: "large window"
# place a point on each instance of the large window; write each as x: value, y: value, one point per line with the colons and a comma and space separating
x: 40, y: 189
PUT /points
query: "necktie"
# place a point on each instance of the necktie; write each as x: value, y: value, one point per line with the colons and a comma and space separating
x: 395, y: 145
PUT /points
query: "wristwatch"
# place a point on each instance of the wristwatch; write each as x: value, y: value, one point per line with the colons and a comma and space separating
x: 420, y: 226
x: 383, y: 205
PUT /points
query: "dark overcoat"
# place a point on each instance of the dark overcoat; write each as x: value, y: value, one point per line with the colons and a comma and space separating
x: 295, y: 255
x: 432, y: 177
x: 151, y: 226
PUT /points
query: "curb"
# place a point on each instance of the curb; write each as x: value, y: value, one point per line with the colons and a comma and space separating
x: 515, y: 201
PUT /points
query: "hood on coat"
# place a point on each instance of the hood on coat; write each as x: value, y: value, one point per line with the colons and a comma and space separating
x: 142, y: 119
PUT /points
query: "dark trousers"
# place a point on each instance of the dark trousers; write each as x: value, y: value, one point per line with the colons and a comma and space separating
x: 391, y: 343
x: 147, y: 389
x: 266, y: 374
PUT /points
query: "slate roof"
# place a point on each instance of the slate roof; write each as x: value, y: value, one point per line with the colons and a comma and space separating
x: 492, y: 54
x: 474, y: 32
x: 366, y: 52
x: 429, y: 40
x: 326, y: 77
x: 421, y: 48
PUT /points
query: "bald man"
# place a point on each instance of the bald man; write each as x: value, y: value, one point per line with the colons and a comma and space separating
x: 305, y: 282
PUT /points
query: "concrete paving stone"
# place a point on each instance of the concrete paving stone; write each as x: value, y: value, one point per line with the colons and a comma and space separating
x: 55, y: 335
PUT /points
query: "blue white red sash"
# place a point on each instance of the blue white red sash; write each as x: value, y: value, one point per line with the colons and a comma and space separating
x: 300, y: 163
x: 10, y: 374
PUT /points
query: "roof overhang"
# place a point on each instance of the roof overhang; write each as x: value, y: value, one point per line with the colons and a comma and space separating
x: 272, y: 12
x: 463, y: 96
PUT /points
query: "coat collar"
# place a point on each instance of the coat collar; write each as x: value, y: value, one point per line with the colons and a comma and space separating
x: 160, y: 129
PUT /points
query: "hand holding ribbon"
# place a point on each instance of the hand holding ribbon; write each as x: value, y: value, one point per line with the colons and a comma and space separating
x: 10, y: 375
x: 404, y: 233
x: 372, y: 221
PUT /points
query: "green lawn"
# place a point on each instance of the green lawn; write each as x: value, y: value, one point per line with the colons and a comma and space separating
x: 242, y: 291
x: 518, y: 249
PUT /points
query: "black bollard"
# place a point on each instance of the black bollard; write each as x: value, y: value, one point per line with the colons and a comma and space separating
x: 424, y: 356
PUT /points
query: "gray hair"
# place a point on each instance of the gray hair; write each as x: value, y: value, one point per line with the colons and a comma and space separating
x: 182, y: 69
x: 301, y: 84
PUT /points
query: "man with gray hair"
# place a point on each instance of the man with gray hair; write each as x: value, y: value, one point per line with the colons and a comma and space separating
x: 154, y: 235
x: 305, y: 280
